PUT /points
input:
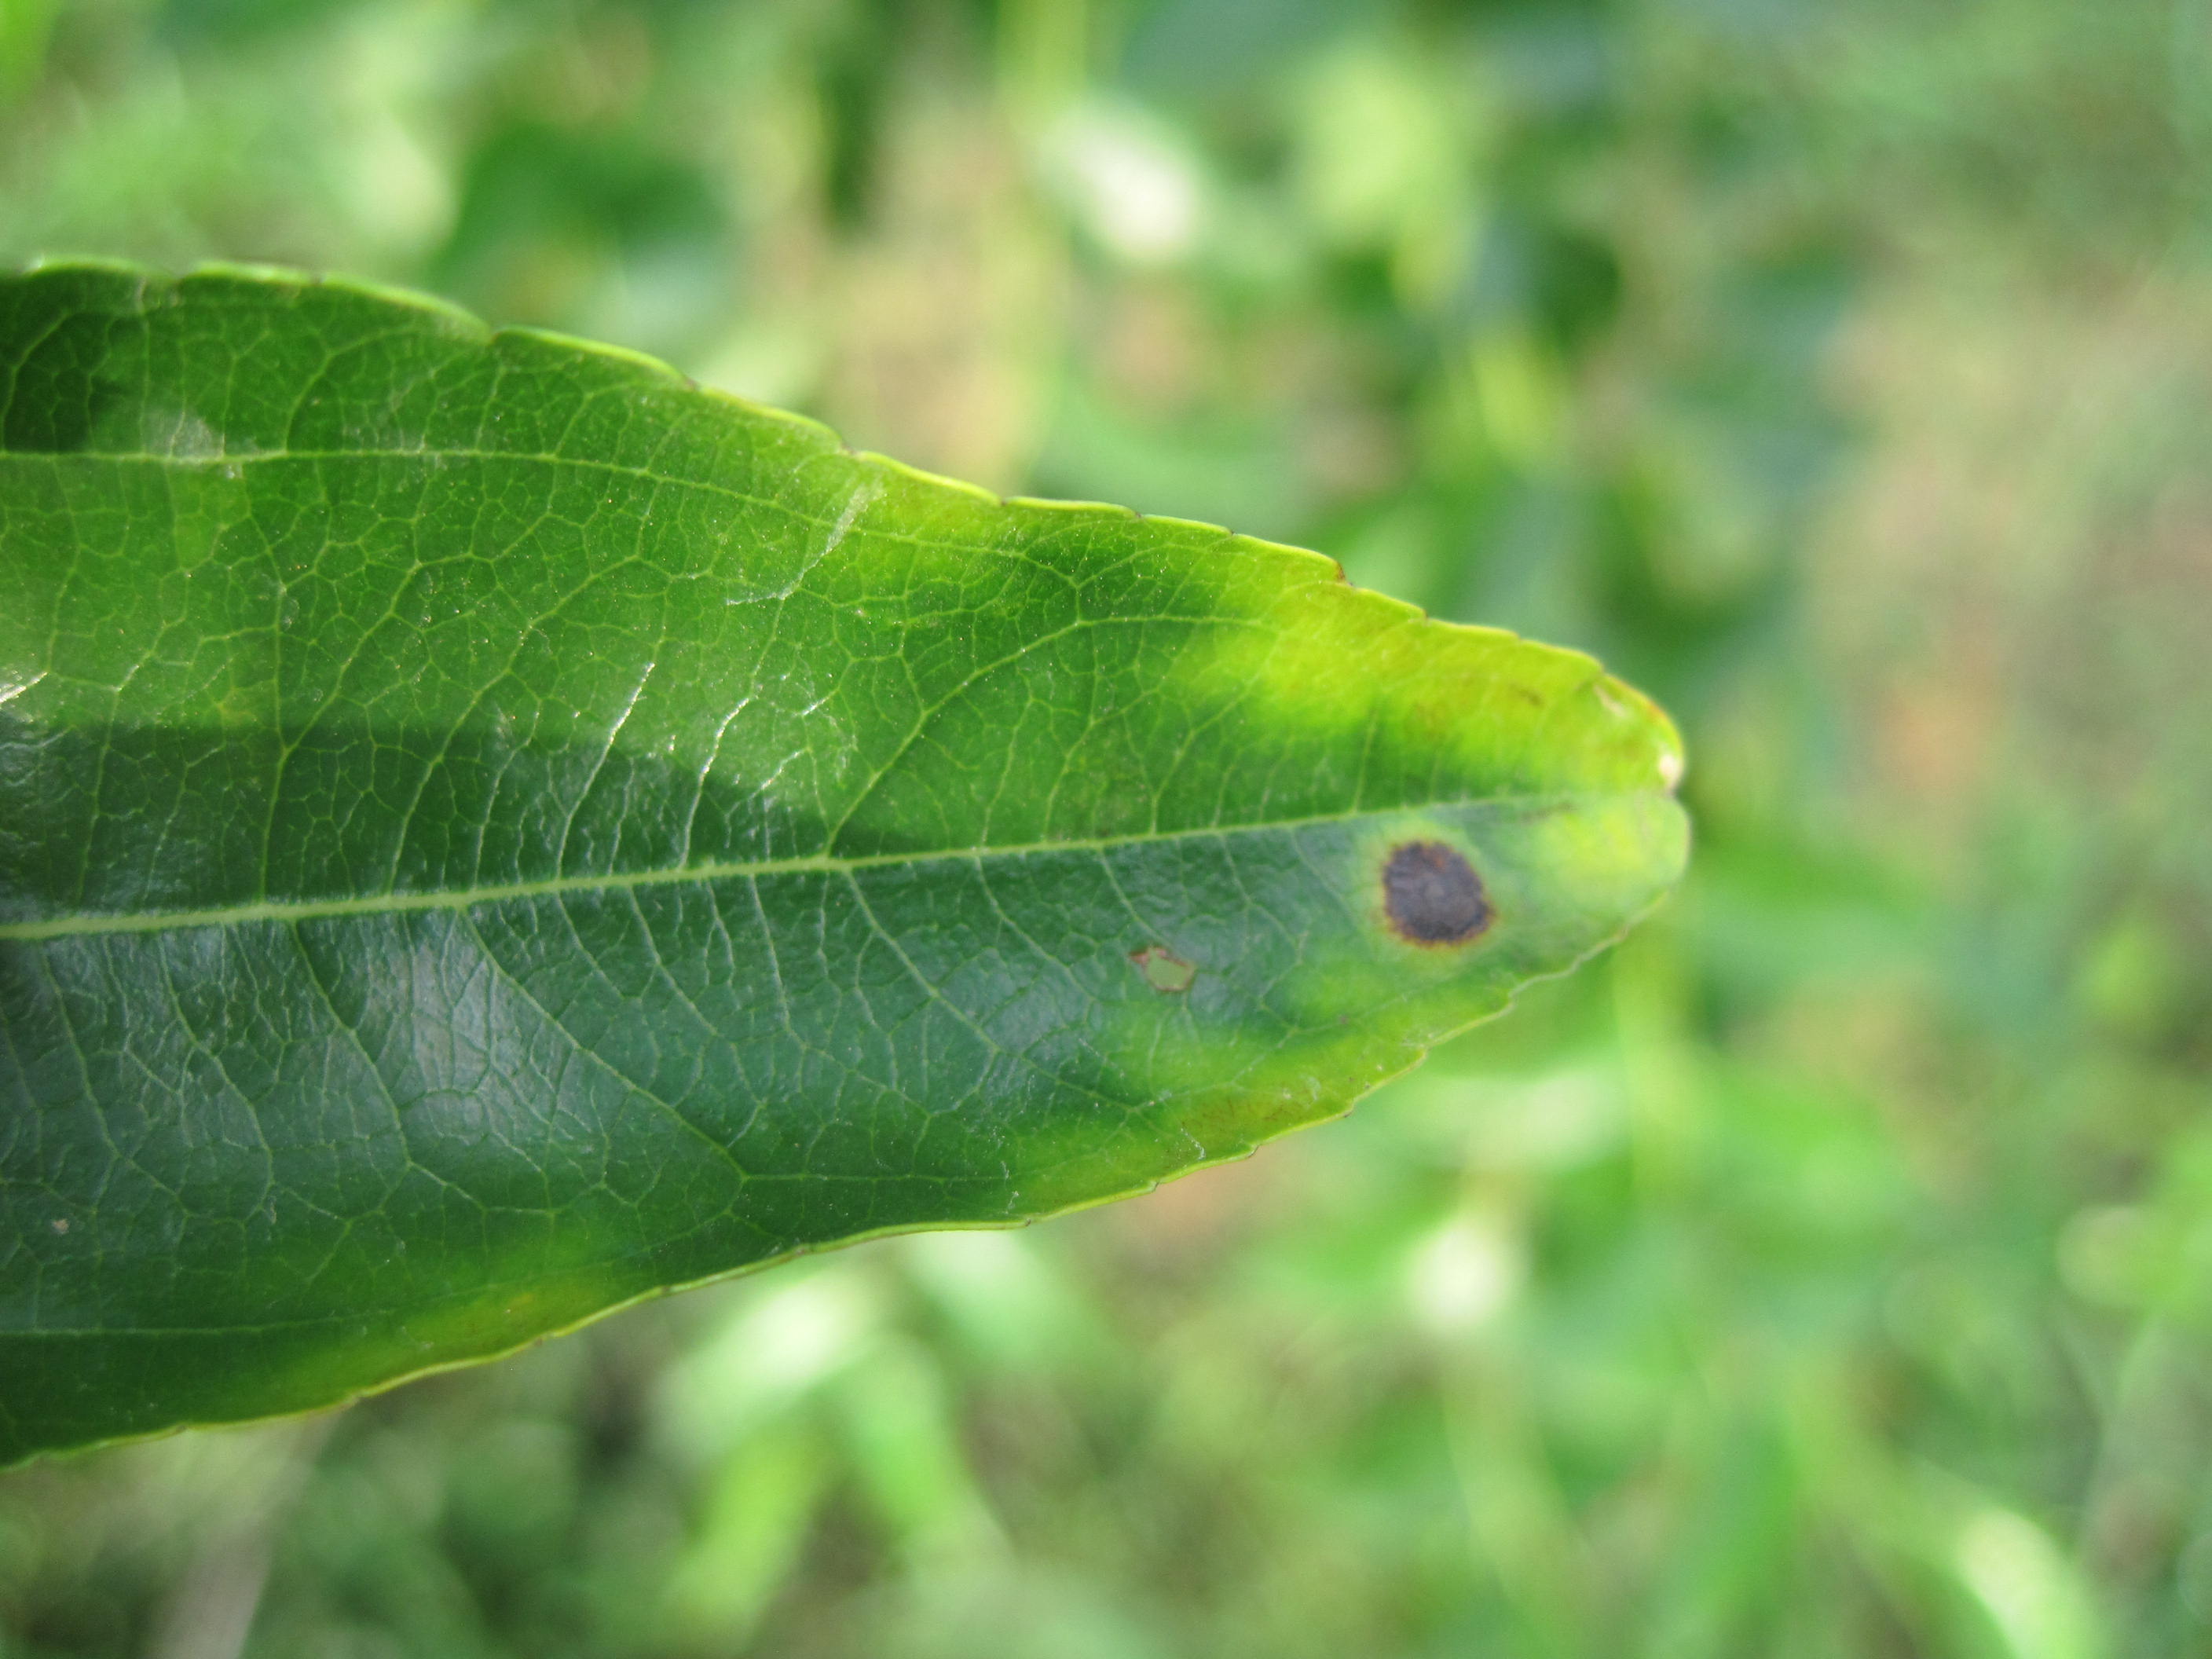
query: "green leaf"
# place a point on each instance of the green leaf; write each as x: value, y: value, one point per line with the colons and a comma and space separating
x: 490, y: 831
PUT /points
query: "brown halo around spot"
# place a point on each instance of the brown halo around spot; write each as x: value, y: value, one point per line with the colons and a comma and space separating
x: 1432, y: 894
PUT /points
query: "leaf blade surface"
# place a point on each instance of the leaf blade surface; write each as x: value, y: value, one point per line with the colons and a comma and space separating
x: 489, y: 830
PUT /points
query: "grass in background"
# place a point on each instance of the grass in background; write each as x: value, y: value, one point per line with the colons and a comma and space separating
x: 1825, y: 1272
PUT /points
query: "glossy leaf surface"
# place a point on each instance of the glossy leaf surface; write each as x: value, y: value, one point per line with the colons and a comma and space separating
x: 489, y: 830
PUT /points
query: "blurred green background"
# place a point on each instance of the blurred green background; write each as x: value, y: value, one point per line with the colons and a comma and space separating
x: 1826, y: 1272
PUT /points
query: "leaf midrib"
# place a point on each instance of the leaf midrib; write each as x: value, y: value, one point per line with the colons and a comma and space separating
x: 290, y: 910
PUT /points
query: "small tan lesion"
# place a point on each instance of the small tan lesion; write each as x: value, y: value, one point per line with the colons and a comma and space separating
x: 1162, y: 970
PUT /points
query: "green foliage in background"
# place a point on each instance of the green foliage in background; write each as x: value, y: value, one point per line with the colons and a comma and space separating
x: 1824, y: 1273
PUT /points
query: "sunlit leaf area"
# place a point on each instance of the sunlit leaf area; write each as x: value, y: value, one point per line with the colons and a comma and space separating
x: 1827, y: 1271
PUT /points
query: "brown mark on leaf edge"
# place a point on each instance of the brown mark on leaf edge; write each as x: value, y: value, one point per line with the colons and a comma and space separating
x: 1164, y: 970
x: 1432, y: 895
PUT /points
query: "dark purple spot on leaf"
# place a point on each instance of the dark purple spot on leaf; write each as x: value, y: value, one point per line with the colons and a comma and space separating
x: 1432, y: 895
